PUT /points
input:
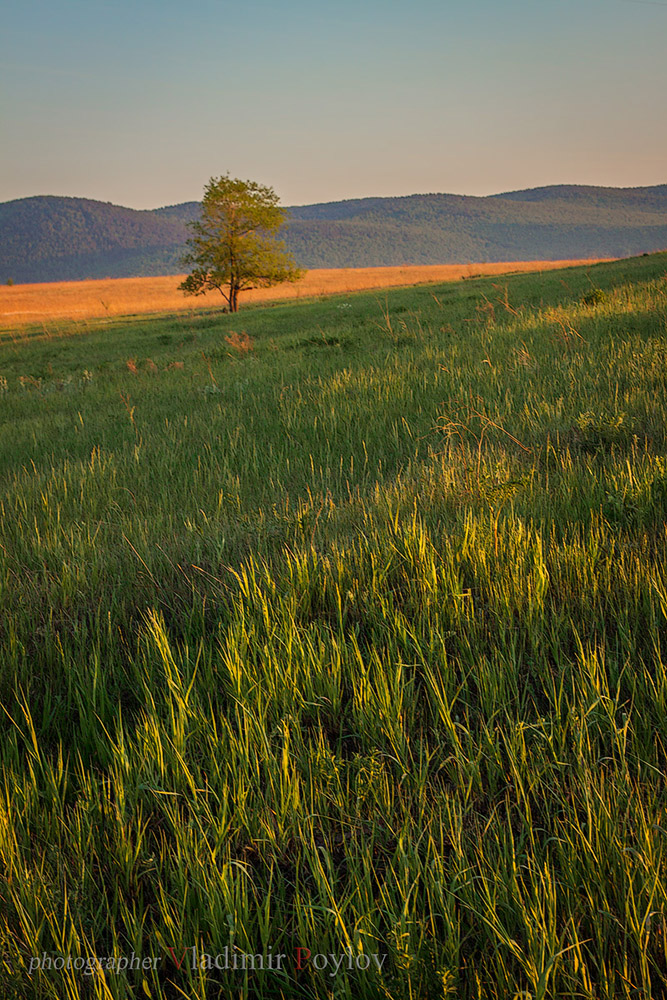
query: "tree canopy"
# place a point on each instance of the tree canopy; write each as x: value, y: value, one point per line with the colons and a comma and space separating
x: 234, y: 247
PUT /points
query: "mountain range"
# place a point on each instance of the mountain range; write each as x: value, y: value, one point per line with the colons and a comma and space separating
x: 51, y: 238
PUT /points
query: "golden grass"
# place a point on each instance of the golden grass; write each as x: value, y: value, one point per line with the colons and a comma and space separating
x: 22, y: 304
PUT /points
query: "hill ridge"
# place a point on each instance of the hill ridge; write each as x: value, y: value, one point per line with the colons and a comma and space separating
x: 59, y: 238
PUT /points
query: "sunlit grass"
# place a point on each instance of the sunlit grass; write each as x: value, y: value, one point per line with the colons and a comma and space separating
x: 349, y: 640
x: 49, y: 303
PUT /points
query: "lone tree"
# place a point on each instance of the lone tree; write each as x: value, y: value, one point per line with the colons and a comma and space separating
x: 233, y: 246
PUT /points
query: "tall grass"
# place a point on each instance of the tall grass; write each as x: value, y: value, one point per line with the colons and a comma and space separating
x: 350, y: 642
x: 52, y: 302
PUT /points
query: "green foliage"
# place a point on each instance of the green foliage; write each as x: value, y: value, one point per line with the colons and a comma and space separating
x: 233, y: 247
x: 353, y: 646
x: 601, y: 430
x: 594, y: 297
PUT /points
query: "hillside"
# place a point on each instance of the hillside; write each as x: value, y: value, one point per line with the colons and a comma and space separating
x: 339, y: 633
x: 50, y: 238
x: 61, y: 239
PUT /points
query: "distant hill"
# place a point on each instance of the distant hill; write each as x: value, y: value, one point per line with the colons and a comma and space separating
x: 50, y: 238
x: 61, y: 239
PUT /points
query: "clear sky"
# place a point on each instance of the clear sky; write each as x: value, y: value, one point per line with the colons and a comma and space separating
x: 140, y: 102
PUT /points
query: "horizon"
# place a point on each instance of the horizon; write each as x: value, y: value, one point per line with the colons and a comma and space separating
x: 367, y: 197
x: 139, y: 106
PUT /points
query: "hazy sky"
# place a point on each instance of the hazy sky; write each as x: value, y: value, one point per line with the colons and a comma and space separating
x: 139, y: 102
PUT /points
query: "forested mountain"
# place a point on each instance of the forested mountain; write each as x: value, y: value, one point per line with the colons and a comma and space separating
x: 59, y: 239
x: 50, y: 238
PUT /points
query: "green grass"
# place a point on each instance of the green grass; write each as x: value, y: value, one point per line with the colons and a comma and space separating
x: 352, y: 641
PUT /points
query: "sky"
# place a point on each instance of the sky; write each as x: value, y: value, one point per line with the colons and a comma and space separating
x: 140, y: 102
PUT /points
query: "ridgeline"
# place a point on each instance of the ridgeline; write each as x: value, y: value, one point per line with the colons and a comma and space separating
x: 50, y: 238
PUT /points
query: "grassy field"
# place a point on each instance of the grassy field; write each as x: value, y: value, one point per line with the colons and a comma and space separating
x: 338, y: 626
x: 80, y: 300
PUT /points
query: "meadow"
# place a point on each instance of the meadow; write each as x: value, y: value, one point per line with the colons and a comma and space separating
x: 21, y: 305
x: 335, y: 628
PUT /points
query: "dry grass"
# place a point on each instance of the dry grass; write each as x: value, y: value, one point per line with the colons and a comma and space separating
x: 22, y: 304
x: 241, y: 343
